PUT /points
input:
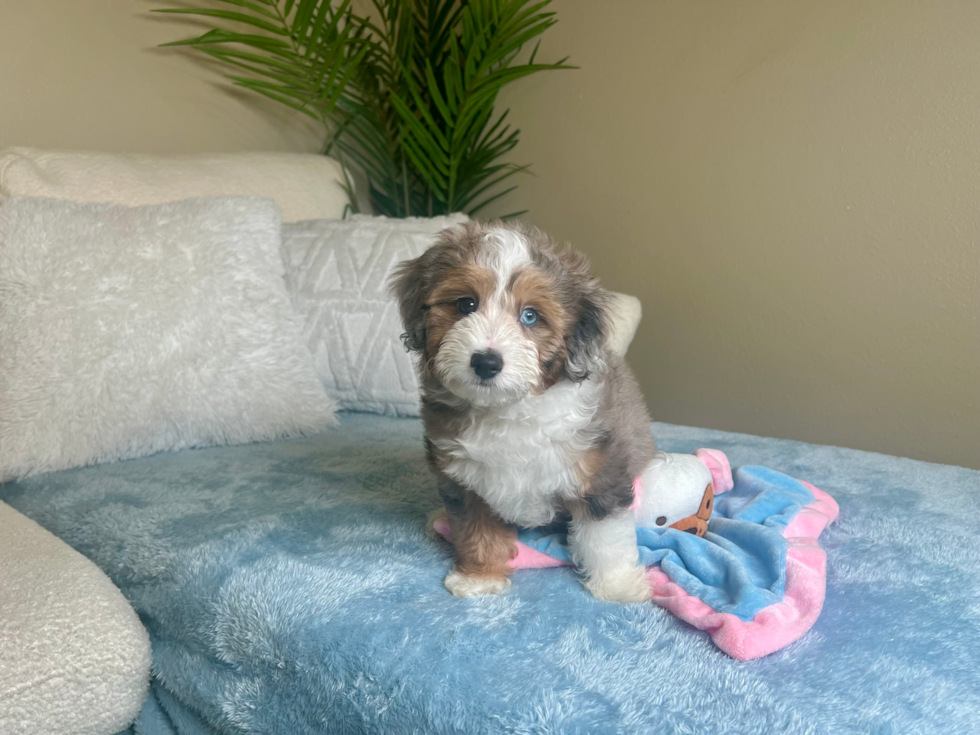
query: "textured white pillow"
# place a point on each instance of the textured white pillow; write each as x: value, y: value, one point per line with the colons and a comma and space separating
x: 127, y: 331
x: 304, y: 185
x: 337, y: 272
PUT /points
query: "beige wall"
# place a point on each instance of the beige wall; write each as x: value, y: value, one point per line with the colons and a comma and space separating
x: 792, y: 188
x: 88, y: 74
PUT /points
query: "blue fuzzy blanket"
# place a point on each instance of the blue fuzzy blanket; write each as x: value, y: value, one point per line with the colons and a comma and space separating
x: 290, y: 588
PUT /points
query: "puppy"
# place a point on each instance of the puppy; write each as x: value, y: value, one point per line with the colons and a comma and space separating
x: 528, y: 417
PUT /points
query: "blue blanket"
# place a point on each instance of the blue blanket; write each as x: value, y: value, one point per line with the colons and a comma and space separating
x: 739, y: 567
x: 290, y: 588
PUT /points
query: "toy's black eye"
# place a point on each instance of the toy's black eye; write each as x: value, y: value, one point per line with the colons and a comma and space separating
x: 466, y: 305
x: 529, y: 316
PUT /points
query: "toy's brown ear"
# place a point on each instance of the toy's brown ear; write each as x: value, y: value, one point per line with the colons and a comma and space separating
x: 405, y: 284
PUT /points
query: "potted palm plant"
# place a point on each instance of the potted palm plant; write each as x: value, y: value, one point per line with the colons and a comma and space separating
x: 407, y: 92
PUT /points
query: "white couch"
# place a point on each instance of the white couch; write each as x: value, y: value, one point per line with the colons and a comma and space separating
x: 74, y: 657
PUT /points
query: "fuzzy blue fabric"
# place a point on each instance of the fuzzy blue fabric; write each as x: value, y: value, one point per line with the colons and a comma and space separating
x: 739, y: 567
x: 290, y: 588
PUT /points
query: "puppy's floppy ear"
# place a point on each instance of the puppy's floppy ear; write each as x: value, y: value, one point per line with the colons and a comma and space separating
x: 587, y: 339
x: 412, y: 280
x: 406, y: 285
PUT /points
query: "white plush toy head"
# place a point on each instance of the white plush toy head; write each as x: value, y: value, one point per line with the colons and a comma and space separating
x: 675, y: 491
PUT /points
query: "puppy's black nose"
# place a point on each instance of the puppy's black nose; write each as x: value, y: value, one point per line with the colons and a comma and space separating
x: 487, y: 364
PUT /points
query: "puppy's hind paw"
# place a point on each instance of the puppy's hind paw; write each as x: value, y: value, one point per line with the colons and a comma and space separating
x: 466, y: 585
x: 625, y: 584
x: 430, y: 523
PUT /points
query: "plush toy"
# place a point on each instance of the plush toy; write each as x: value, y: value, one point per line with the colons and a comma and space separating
x: 678, y: 490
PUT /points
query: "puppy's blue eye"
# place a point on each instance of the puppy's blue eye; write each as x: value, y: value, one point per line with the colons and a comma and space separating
x: 466, y: 305
x: 529, y: 316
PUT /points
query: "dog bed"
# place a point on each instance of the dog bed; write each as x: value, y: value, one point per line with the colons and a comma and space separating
x: 290, y: 587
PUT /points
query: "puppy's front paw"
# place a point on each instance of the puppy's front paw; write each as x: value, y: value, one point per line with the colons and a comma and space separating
x: 465, y: 585
x: 624, y: 584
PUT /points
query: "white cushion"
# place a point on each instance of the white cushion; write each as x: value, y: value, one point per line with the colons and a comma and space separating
x: 337, y: 272
x: 74, y: 657
x: 304, y: 185
x: 625, y: 312
x: 132, y: 330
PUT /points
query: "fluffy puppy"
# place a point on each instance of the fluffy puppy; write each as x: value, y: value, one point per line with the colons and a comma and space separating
x: 528, y: 417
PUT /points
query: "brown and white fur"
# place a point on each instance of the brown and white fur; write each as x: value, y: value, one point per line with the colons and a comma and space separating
x: 556, y: 427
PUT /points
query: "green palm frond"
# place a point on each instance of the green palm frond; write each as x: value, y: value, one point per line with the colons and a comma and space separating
x: 407, y: 95
x: 304, y: 59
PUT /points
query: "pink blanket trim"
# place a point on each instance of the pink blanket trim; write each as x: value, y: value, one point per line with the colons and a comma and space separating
x: 773, y: 627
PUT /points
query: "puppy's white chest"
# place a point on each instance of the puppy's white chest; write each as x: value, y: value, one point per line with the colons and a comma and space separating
x: 521, y: 458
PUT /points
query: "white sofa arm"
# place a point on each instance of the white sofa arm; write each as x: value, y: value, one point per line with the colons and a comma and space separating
x: 74, y: 657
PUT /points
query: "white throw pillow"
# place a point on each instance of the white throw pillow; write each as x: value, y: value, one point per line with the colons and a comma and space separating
x: 337, y: 272
x: 625, y: 312
x: 304, y: 185
x: 127, y: 331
